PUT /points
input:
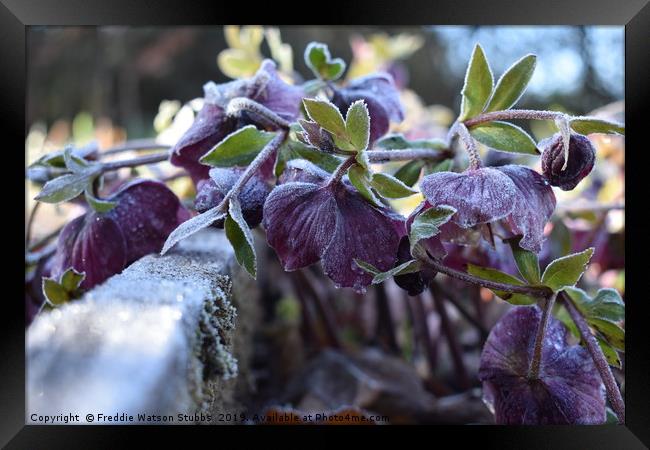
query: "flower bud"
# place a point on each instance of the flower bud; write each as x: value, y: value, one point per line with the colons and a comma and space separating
x: 412, y: 283
x: 581, y: 160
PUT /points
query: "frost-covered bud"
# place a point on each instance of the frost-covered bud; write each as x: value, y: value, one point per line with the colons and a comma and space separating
x: 582, y: 156
x: 213, y: 190
x: 412, y: 283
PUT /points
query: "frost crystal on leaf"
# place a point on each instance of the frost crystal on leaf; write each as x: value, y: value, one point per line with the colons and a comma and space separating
x: 308, y: 221
x: 381, y: 97
x: 569, y: 389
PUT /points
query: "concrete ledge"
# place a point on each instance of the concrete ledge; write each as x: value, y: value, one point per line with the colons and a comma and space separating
x: 158, y: 339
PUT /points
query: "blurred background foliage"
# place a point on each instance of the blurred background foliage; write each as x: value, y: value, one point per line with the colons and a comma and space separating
x: 121, y: 74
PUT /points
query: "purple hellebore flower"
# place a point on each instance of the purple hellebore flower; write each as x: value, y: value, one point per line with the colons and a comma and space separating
x: 516, y: 197
x: 568, y: 390
x: 381, y: 96
x: 102, y: 244
x: 309, y: 220
x: 212, y: 124
x: 213, y: 190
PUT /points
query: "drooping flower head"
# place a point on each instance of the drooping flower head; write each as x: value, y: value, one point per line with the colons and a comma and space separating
x: 582, y: 156
x: 213, y: 190
x: 102, y: 244
x: 568, y: 390
x: 309, y: 220
x: 381, y: 97
x: 516, y: 197
x: 212, y: 123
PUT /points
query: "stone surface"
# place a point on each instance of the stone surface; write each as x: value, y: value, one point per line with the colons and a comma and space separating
x: 169, y: 335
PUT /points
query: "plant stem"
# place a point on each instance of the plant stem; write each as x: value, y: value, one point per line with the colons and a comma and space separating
x: 464, y: 312
x: 381, y: 156
x: 512, y: 114
x: 45, y: 252
x: 424, y: 333
x: 613, y: 392
x: 533, y: 370
x: 308, y: 324
x: 253, y: 167
x: 326, y: 314
x: 139, y: 161
x: 452, y: 340
x: 135, y: 144
x: 535, y: 291
x: 385, y: 319
x: 341, y: 170
x: 239, y: 104
x: 470, y: 146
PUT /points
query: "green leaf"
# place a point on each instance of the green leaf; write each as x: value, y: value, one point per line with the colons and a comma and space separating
x: 428, y: 223
x: 357, y: 125
x: 527, y: 262
x: 397, y: 141
x: 478, y: 85
x: 611, y: 355
x: 67, y: 187
x: 327, y: 116
x: 487, y: 273
x: 409, y: 173
x: 297, y: 150
x: 95, y: 203
x: 606, y: 305
x: 379, y: 276
x: 241, y: 238
x: 359, y: 179
x: 611, y: 331
x: 566, y: 271
x: 367, y: 267
x: 191, y: 226
x: 71, y: 279
x: 588, y: 125
x: 319, y: 60
x: 505, y: 137
x: 362, y: 159
x: 54, y: 293
x: 238, y: 148
x: 407, y: 267
x: 72, y: 162
x: 390, y: 187
x: 443, y: 166
x: 512, y: 84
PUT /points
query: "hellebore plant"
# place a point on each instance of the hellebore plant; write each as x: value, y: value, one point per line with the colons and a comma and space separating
x: 302, y: 161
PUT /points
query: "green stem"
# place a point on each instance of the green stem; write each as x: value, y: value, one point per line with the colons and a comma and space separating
x: 341, y: 170
x: 239, y: 104
x: 470, y: 146
x: 533, y: 370
x: 511, y: 114
x: 535, y: 291
x: 381, y: 156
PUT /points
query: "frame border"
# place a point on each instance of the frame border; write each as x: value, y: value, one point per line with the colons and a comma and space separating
x: 16, y: 16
